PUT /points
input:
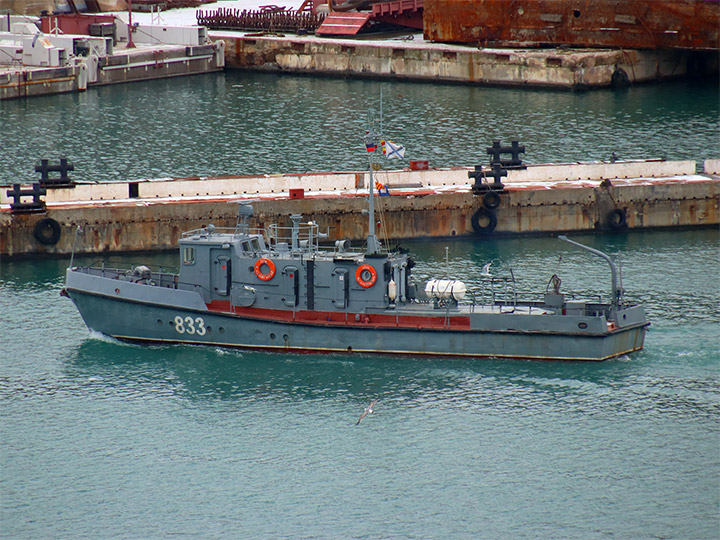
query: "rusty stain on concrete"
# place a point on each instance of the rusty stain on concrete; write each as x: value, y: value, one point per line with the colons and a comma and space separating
x: 557, y: 68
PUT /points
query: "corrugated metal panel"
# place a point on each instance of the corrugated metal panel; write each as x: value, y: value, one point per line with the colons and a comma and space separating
x: 401, y: 12
x: 343, y: 24
x: 396, y: 7
x: 640, y: 24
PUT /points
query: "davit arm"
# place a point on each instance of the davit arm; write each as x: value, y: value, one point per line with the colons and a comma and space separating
x: 616, y: 292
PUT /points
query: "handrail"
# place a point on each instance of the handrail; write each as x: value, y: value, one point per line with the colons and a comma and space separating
x: 616, y: 291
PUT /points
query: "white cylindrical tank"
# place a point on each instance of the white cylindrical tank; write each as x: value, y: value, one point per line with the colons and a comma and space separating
x: 445, y: 289
x: 392, y: 290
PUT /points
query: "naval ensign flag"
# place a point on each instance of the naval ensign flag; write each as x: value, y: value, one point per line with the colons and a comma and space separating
x: 394, y: 151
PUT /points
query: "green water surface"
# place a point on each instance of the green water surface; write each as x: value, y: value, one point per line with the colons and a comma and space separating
x: 107, y: 440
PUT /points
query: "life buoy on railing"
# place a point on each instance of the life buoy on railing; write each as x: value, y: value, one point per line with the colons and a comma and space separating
x: 265, y: 276
x: 47, y: 231
x: 617, y: 219
x: 365, y: 275
x: 483, y: 221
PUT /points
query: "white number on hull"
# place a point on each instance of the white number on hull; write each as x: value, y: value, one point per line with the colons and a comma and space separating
x: 190, y: 326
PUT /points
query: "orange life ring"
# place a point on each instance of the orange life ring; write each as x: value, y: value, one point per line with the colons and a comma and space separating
x: 271, y: 269
x: 370, y: 281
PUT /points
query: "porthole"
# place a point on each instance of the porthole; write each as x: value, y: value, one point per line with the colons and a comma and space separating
x: 272, y: 335
x: 582, y: 325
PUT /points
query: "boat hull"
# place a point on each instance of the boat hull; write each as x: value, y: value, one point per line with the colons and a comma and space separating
x: 138, y: 321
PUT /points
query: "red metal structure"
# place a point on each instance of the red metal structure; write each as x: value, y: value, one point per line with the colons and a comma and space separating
x: 407, y: 13
x: 638, y: 24
x: 77, y: 23
x: 344, y: 23
x: 401, y: 12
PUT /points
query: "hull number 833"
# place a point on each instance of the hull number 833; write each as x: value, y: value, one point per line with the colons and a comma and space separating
x: 190, y: 326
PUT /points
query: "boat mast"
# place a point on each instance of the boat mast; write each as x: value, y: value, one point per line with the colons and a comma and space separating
x: 371, y: 141
x: 373, y: 244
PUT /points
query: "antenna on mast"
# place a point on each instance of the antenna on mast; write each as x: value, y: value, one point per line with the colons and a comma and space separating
x: 373, y: 244
x: 373, y: 136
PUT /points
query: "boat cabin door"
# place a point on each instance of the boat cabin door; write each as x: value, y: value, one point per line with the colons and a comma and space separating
x: 220, y: 272
x: 290, y: 285
x: 340, y: 288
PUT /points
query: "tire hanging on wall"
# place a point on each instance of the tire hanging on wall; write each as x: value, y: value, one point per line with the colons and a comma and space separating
x: 491, y: 200
x: 617, y: 219
x: 483, y: 221
x: 47, y: 231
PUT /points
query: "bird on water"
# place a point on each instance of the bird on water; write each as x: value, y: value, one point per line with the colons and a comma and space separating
x: 368, y: 410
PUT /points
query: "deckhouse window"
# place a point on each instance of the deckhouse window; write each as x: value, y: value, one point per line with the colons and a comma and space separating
x: 256, y: 245
x: 189, y: 255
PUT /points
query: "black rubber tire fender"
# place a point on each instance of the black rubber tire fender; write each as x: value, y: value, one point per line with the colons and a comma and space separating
x: 617, y: 219
x: 619, y: 79
x: 47, y: 231
x: 491, y: 200
x: 479, y: 218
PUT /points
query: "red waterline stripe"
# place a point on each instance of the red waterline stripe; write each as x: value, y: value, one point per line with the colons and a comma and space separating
x: 339, y: 318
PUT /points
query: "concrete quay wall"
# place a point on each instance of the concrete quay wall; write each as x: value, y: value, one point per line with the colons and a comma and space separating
x: 409, y: 213
x: 337, y: 182
x: 558, y: 68
x: 131, y: 65
x: 38, y: 82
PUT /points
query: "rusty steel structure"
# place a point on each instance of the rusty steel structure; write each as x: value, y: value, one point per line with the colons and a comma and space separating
x: 260, y: 21
x: 636, y: 24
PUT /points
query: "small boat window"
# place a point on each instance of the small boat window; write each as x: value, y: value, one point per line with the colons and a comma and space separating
x: 256, y: 245
x: 245, y: 246
x: 189, y: 255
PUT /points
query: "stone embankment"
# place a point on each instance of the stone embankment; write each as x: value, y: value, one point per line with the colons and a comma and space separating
x: 543, y: 199
x: 421, y: 60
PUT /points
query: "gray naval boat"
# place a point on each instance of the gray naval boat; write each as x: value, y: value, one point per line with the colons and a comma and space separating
x: 278, y: 289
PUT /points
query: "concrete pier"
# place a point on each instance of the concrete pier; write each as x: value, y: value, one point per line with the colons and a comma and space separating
x: 421, y: 60
x: 151, y: 215
x: 562, y: 68
x: 125, y: 65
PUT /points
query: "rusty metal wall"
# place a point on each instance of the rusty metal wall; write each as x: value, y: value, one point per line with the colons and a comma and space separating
x: 131, y: 227
x: 634, y: 24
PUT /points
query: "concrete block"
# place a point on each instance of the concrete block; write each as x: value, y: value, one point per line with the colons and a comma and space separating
x: 711, y: 166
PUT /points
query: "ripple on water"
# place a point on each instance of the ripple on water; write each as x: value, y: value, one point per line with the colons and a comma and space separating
x: 159, y: 440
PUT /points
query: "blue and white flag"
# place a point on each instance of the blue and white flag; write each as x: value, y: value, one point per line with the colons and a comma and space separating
x: 394, y: 151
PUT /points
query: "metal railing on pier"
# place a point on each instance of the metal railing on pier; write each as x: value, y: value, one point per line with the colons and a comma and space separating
x: 297, y: 22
